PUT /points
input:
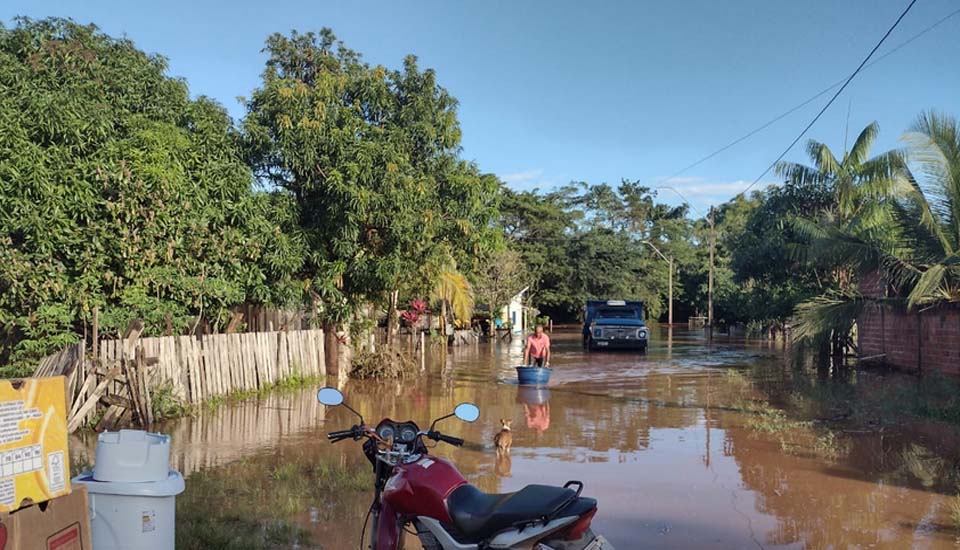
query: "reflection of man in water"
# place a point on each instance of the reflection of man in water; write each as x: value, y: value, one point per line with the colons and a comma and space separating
x: 538, y: 349
x: 538, y: 417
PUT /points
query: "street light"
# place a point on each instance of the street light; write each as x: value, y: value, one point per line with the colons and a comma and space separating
x: 712, y: 245
x: 669, y: 281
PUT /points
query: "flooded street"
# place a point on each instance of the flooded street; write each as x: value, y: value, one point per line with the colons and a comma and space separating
x: 655, y: 437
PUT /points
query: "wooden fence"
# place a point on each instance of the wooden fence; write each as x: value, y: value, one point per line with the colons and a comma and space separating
x: 191, y: 369
x: 196, y: 369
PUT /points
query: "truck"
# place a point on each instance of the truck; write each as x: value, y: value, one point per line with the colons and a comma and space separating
x: 614, y: 324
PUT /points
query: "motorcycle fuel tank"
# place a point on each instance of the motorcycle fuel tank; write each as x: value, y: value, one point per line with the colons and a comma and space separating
x: 421, y: 488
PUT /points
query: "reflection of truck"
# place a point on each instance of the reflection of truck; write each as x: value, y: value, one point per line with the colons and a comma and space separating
x: 614, y: 324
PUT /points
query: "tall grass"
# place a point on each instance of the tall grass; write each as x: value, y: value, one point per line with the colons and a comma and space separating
x: 254, y: 504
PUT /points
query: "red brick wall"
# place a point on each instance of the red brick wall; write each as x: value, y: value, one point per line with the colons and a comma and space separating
x: 873, y: 286
x: 934, y: 345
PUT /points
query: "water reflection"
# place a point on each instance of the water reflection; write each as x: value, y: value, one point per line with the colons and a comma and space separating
x: 652, y: 436
x: 536, y: 407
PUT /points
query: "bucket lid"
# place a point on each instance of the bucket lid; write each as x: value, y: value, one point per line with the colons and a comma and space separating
x: 132, y: 455
x: 171, y: 485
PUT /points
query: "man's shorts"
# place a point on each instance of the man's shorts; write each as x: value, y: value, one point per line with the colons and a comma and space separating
x: 538, y: 361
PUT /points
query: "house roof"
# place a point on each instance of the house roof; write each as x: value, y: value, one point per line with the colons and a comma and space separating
x: 520, y: 294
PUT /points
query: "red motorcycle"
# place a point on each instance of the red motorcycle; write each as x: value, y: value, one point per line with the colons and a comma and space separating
x: 413, y: 489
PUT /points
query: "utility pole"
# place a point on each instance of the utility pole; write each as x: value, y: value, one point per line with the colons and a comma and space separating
x: 670, y: 294
x: 669, y: 281
x: 710, y: 278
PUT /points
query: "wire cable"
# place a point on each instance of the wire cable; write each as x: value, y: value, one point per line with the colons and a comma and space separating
x: 806, y: 102
x: 832, y: 99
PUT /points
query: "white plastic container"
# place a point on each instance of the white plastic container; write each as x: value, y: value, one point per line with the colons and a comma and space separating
x: 132, y: 492
x: 132, y: 455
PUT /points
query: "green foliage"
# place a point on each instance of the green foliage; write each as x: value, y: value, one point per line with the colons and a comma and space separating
x: 888, y: 219
x: 582, y: 241
x: 166, y: 405
x: 119, y: 191
x: 501, y: 276
x: 369, y: 157
x: 756, y: 243
x: 454, y: 289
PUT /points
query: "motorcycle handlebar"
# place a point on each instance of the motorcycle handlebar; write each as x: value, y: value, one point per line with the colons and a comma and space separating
x: 344, y: 434
x: 357, y: 432
x: 437, y: 436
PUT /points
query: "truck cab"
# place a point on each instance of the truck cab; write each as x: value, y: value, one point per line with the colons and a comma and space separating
x: 614, y: 324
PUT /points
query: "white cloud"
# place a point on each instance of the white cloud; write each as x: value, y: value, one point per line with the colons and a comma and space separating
x: 702, y: 187
x: 524, y: 177
x: 702, y: 193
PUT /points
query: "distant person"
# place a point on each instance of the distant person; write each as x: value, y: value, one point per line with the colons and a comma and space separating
x: 537, y: 352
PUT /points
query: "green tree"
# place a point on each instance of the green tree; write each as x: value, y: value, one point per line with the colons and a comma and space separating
x: 927, y: 264
x: 502, y: 278
x: 119, y: 191
x: 766, y: 278
x: 862, y: 190
x: 369, y: 156
x: 913, y: 241
x: 588, y: 241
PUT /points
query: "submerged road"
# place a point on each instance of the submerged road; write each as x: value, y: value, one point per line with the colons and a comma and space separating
x: 657, y: 438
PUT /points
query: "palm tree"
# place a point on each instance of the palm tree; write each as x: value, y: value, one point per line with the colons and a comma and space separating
x: 905, y: 228
x: 453, y: 289
x: 844, y: 236
x: 929, y: 215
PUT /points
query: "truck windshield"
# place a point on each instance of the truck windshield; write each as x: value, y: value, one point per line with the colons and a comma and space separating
x: 625, y: 313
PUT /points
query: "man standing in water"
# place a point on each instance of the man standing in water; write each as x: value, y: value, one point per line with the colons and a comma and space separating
x: 537, y: 352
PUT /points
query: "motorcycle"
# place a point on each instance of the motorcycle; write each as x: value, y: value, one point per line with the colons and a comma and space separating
x: 416, y: 490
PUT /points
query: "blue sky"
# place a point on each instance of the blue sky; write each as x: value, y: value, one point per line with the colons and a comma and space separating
x: 597, y: 91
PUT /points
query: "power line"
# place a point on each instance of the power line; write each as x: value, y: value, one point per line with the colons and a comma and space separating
x: 801, y: 105
x: 832, y: 99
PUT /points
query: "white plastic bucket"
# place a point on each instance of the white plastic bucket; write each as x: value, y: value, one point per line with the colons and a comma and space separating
x: 132, y: 455
x: 132, y: 492
x: 131, y: 515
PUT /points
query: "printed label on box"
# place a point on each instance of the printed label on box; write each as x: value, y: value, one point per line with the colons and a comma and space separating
x: 56, y: 468
x: 149, y: 521
x: 8, y: 492
x: 11, y: 413
x: 67, y: 539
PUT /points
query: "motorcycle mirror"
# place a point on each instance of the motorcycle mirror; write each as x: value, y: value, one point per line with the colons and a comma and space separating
x: 468, y: 412
x: 330, y: 397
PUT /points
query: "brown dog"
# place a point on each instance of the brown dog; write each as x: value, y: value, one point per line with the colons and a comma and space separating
x: 504, y: 437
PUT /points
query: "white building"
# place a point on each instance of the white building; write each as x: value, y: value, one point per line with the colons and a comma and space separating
x: 513, y: 313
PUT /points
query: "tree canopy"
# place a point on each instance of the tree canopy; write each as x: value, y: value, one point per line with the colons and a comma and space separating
x: 370, y: 158
x: 587, y: 241
x: 117, y: 190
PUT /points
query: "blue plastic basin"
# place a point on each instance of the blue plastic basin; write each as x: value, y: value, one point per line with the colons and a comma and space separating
x: 533, y: 375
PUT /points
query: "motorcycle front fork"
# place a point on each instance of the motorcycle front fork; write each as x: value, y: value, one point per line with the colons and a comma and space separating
x: 385, y: 532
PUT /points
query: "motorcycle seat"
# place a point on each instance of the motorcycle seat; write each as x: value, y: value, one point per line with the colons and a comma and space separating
x: 477, y: 515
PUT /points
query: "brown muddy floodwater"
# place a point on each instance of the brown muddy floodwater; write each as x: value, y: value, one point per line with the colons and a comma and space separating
x: 653, y: 437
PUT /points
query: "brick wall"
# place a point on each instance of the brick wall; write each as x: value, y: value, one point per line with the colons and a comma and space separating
x: 914, y: 341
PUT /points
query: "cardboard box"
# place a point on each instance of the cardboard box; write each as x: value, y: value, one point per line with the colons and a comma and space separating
x: 59, y: 524
x: 34, y: 462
